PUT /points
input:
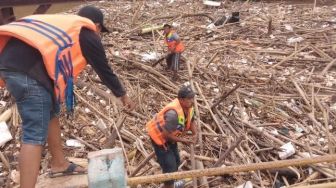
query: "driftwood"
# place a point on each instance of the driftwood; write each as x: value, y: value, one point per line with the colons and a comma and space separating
x: 230, y: 149
x: 284, y: 68
x: 231, y: 169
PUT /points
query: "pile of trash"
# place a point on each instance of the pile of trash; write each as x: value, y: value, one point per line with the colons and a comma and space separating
x: 265, y: 77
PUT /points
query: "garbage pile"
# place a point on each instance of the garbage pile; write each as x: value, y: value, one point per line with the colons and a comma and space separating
x: 265, y: 80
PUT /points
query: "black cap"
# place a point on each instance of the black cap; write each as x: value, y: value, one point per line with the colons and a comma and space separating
x: 94, y: 14
x: 185, y: 92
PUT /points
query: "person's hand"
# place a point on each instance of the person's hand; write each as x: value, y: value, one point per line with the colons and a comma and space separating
x: 189, y: 141
x: 127, y: 102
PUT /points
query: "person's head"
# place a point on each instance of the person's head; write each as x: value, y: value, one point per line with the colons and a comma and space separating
x: 95, y: 15
x: 186, y: 96
x: 166, y: 28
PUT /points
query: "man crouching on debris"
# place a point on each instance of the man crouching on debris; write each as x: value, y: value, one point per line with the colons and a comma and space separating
x: 175, y: 49
x: 169, y: 126
x: 41, y: 56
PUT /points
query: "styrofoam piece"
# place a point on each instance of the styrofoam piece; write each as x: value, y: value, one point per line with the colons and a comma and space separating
x: 5, y: 135
x: 74, y: 143
x: 288, y: 150
x: 212, y: 3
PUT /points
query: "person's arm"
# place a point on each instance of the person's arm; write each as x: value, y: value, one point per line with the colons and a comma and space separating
x: 171, y: 125
x: 94, y: 53
x: 173, y: 138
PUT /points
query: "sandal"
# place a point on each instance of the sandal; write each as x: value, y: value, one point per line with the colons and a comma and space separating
x: 69, y: 171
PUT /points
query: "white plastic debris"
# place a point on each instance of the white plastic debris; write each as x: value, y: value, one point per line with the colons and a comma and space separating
x: 288, y: 27
x: 274, y: 132
x: 210, y: 27
x: 103, y: 102
x: 74, y: 143
x: 5, y: 135
x: 243, y: 61
x: 293, y: 40
x: 288, y: 150
x: 101, y: 124
x: 176, y: 25
x: 149, y: 56
x: 247, y: 184
x: 87, y: 110
x: 3, y: 103
x: 89, y: 93
x: 212, y: 3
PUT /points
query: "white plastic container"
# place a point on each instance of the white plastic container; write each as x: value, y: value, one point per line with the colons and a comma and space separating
x: 106, y: 169
x: 5, y: 135
x: 288, y: 150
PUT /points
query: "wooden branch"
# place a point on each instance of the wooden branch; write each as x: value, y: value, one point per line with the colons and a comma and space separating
x: 148, y: 69
x: 322, y: 185
x: 142, y: 164
x: 114, y: 133
x: 289, y: 57
x: 84, y: 142
x: 208, y: 107
x: 225, y: 95
x: 228, y: 151
x: 230, y: 169
x: 185, y: 16
x: 4, y: 161
x: 325, y: 70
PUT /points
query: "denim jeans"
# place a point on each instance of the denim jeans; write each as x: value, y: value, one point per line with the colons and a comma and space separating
x: 168, y: 158
x: 34, y: 103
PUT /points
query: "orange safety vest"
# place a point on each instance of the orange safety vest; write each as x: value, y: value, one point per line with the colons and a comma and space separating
x: 171, y: 43
x: 57, y: 39
x: 155, y: 126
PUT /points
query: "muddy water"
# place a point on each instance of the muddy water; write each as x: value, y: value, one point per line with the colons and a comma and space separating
x: 21, y: 11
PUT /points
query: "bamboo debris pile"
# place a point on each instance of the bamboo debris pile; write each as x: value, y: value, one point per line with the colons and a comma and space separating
x: 263, y: 82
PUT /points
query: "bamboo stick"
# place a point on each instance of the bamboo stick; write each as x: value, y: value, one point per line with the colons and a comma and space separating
x: 230, y: 170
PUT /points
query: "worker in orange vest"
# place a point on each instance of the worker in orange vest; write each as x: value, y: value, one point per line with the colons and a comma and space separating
x: 40, y: 59
x: 170, y: 126
x: 175, y: 48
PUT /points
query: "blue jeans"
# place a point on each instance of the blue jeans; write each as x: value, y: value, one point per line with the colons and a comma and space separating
x: 34, y: 103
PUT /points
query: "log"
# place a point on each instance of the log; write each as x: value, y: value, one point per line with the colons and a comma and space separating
x: 289, y: 57
x: 5, y: 116
x: 228, y: 151
x: 230, y: 170
x: 142, y: 164
x: 114, y: 133
x: 62, y: 182
x: 322, y: 185
x: 325, y: 70
x: 225, y: 95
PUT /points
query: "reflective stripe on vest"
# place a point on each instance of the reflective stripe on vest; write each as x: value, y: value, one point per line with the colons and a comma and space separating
x: 57, y: 39
x: 155, y: 126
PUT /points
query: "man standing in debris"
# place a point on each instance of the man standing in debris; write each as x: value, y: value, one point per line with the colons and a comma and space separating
x: 40, y: 58
x: 175, y: 48
x: 169, y: 127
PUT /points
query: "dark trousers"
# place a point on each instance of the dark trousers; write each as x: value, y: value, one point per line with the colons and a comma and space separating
x: 173, y: 61
x: 168, y: 158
